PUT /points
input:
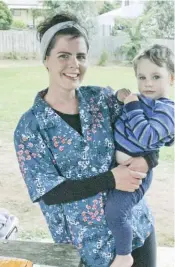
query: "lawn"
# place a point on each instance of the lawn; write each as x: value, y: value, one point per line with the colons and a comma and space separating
x: 19, y: 85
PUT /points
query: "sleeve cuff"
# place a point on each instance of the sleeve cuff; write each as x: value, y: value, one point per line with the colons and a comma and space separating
x: 110, y: 180
x: 120, y: 103
x: 152, y: 159
x: 134, y: 105
x: 106, y: 181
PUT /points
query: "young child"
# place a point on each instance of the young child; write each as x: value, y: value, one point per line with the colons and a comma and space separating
x: 146, y: 124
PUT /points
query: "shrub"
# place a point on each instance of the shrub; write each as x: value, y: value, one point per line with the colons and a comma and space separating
x: 130, y: 50
x: 103, y: 59
x: 18, y: 24
x: 5, y: 16
x: 19, y: 56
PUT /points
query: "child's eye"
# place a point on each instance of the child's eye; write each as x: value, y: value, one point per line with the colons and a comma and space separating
x: 156, y: 77
x: 141, y: 78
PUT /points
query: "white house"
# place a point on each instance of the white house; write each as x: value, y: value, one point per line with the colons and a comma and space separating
x: 22, y: 9
x: 106, y: 21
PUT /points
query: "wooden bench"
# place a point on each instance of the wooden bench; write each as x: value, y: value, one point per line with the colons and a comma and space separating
x: 47, y: 254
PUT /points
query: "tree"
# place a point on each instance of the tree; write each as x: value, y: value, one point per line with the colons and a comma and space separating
x: 86, y: 11
x: 108, y: 6
x: 132, y: 27
x: 161, y: 23
x: 35, y: 14
x: 5, y: 16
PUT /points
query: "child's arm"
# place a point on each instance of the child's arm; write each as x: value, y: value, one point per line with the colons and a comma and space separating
x: 150, y: 132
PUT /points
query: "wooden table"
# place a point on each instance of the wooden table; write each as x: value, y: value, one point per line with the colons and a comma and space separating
x: 48, y: 254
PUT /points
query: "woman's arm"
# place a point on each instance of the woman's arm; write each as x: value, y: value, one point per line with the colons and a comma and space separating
x: 42, y: 175
x: 114, y: 105
x: 74, y: 190
x: 36, y: 162
x: 120, y: 178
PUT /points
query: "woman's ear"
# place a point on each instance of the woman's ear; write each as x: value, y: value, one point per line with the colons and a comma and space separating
x: 172, y: 79
x: 46, y: 62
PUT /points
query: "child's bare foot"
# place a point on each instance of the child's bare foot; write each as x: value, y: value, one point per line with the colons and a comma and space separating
x: 123, y: 261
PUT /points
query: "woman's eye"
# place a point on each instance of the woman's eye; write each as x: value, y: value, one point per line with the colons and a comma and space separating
x: 63, y: 56
x: 81, y: 57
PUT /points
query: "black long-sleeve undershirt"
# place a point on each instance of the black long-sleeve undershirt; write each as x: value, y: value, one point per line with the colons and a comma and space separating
x: 74, y: 190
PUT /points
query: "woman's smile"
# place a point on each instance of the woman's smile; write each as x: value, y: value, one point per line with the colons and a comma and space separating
x: 72, y: 76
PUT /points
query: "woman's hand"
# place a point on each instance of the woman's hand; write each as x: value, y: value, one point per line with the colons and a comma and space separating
x: 130, y: 98
x: 122, y: 94
x: 126, y: 179
x: 138, y: 164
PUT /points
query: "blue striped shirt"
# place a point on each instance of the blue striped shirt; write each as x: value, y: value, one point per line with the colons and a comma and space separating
x: 145, y: 125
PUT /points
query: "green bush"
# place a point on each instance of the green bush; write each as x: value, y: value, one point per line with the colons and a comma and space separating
x: 5, y: 17
x: 19, y: 56
x: 10, y: 55
x: 103, y: 59
x: 18, y: 24
x: 130, y: 50
x: 133, y: 28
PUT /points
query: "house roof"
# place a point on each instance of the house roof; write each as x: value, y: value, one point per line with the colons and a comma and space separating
x: 22, y: 4
x: 131, y: 11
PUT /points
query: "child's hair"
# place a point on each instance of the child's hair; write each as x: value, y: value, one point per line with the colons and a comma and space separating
x: 159, y: 54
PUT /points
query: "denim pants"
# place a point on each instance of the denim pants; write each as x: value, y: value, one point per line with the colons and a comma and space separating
x: 118, y: 210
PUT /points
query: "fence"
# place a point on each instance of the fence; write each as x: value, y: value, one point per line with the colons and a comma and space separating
x: 25, y: 42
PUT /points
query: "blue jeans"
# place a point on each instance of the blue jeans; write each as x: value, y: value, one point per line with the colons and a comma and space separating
x: 118, y: 210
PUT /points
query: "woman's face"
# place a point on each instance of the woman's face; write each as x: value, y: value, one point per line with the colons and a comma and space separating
x: 67, y: 62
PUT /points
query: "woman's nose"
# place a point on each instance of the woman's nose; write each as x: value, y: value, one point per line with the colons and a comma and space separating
x: 73, y: 62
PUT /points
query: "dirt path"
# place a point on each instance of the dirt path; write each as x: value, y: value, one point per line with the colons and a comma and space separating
x: 14, y: 197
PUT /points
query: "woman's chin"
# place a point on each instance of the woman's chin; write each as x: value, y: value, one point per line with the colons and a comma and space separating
x: 72, y: 85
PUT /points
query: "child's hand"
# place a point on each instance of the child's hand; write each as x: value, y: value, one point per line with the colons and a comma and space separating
x: 130, y: 98
x: 122, y: 94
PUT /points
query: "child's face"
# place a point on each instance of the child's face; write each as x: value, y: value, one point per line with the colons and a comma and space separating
x: 153, y: 81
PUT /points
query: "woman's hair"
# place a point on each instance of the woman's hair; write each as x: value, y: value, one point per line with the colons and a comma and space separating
x: 62, y: 17
x: 159, y: 55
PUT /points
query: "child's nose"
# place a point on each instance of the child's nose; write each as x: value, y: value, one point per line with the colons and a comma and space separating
x: 148, y: 83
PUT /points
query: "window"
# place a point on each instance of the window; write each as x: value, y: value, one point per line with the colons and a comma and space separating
x: 16, y: 12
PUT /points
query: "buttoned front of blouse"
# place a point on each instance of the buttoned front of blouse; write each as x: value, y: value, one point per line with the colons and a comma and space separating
x: 50, y: 152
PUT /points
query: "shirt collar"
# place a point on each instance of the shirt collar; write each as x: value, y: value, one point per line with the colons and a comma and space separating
x: 46, y: 116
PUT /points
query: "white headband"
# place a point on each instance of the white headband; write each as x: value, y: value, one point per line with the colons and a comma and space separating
x: 49, y: 34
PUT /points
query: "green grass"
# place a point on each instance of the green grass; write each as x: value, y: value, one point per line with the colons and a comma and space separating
x: 19, y: 85
x: 35, y: 234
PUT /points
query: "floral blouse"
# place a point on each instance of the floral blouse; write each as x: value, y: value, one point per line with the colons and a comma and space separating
x: 49, y: 152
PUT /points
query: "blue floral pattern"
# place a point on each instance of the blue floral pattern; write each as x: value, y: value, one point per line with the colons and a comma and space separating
x: 49, y: 152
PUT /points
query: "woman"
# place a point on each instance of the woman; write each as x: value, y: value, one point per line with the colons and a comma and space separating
x: 65, y: 149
